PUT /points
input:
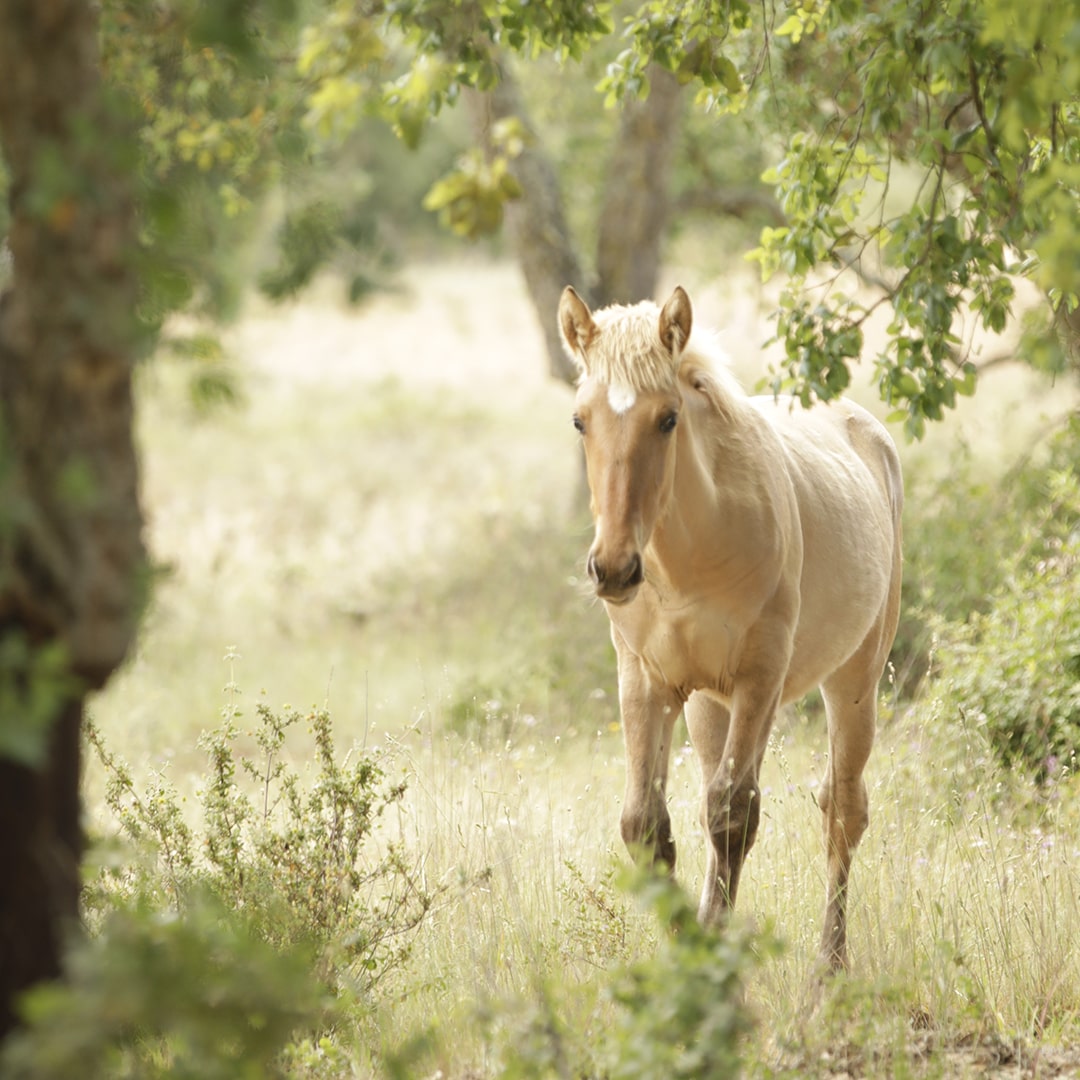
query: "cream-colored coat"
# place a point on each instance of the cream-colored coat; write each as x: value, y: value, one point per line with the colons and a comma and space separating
x: 747, y: 550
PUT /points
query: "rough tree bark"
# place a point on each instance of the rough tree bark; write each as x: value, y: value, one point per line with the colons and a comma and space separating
x: 632, y: 219
x: 70, y: 534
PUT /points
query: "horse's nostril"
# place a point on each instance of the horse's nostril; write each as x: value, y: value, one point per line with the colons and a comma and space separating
x: 615, y: 579
x: 592, y: 568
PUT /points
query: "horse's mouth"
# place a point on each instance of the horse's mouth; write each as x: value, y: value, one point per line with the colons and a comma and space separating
x: 619, y: 597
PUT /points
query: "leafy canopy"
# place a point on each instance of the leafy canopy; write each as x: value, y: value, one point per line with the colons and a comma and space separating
x: 972, y: 104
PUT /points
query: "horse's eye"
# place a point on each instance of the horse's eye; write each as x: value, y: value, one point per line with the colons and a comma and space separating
x: 668, y: 422
x: 579, y: 424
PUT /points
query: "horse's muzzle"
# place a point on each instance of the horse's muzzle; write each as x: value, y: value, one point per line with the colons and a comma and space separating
x: 619, y: 585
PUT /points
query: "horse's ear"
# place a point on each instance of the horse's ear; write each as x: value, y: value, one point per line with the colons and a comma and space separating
x: 676, y: 319
x: 575, y: 324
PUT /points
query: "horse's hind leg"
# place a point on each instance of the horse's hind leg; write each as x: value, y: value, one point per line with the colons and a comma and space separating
x: 850, y: 694
x: 844, y: 803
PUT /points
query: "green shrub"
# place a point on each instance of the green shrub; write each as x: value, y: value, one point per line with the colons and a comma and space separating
x: 595, y: 919
x: 682, y: 1012
x: 957, y: 529
x: 1014, y: 670
x: 152, y: 995
x: 299, y: 859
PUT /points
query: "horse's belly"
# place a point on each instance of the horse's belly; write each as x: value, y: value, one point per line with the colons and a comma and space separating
x: 834, y: 620
x: 700, y: 646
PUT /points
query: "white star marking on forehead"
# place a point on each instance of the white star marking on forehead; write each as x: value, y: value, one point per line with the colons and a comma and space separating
x: 620, y: 397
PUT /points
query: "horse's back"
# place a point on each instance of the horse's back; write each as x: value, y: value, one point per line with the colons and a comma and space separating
x: 870, y: 440
x: 833, y: 450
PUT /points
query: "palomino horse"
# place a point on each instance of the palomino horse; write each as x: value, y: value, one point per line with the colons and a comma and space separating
x: 746, y: 550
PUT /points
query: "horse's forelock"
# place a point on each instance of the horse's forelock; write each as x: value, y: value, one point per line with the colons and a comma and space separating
x: 628, y: 352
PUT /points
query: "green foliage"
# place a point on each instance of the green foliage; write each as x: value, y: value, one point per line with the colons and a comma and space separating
x: 447, y: 46
x: 340, y: 57
x: 987, y: 119
x: 218, y: 119
x: 212, y: 381
x: 35, y: 676
x: 682, y: 1012
x: 955, y: 529
x: 596, y: 924
x: 690, y: 38
x: 5, y: 218
x: 308, y: 237
x: 975, y: 101
x: 35, y: 682
x: 959, y: 525
x: 678, y: 1011
x: 326, y: 232
x: 300, y: 860
x: 466, y: 34
x: 1014, y: 670
x: 153, y: 995
x: 470, y: 200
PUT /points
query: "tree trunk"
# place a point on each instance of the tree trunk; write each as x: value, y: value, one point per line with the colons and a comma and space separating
x: 41, y: 847
x: 70, y: 538
x: 537, y: 221
x: 638, y: 193
x: 632, y: 217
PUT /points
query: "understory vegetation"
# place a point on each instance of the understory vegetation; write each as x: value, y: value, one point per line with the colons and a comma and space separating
x: 421, y: 876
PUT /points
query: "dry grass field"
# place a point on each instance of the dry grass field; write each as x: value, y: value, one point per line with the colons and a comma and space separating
x: 391, y: 524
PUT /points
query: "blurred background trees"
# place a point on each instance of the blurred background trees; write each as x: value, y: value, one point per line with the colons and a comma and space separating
x: 930, y: 149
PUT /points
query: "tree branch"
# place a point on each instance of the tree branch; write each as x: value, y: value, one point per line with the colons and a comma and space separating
x: 736, y: 202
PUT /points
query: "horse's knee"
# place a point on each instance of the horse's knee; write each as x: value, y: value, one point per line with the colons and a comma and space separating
x: 732, y: 815
x: 646, y: 831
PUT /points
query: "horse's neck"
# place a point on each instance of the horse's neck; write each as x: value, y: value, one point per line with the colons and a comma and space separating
x: 714, y: 506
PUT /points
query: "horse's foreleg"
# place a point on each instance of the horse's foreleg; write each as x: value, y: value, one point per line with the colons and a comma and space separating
x: 730, y: 746
x: 648, y: 717
x: 707, y: 720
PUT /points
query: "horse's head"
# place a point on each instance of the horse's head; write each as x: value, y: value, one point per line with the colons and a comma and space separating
x: 627, y: 411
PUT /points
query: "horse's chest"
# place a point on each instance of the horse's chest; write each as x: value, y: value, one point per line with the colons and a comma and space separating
x: 694, y: 648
